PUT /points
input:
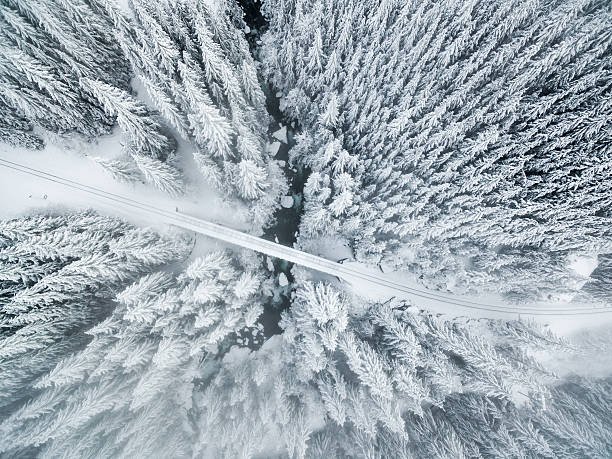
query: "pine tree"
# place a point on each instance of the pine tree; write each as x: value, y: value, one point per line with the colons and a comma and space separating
x: 47, y: 47
x: 392, y: 355
x: 159, y: 174
x: 197, y: 68
x: 62, y: 69
x: 120, y: 170
x: 475, y: 131
x: 140, y: 127
x: 598, y: 284
x: 131, y: 389
x: 16, y: 131
x: 57, y: 277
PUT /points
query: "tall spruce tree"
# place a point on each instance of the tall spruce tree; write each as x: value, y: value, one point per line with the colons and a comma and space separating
x: 476, y: 133
x: 393, y: 381
x: 47, y: 46
x: 58, y: 276
x: 195, y: 64
x: 62, y: 69
x: 129, y: 392
x: 599, y: 284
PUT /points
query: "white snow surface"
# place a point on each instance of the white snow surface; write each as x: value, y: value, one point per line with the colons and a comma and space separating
x: 23, y: 194
x: 367, y: 282
x: 281, y: 134
x: 561, y: 323
x: 287, y: 202
x: 273, y: 148
x: 584, y: 265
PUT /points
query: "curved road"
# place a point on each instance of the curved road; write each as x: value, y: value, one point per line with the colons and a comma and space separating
x: 358, y: 276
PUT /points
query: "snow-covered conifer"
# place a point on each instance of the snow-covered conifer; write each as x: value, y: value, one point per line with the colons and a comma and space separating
x: 121, y: 171
x: 140, y: 369
x: 392, y: 355
x: 159, y: 174
x: 16, y: 131
x: 47, y: 47
x: 196, y: 65
x: 142, y: 130
x: 475, y: 131
x: 57, y: 276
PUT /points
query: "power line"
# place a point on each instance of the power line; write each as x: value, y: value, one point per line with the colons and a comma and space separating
x: 277, y: 250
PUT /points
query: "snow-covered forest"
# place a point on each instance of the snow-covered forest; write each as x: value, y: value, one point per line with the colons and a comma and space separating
x: 459, y: 148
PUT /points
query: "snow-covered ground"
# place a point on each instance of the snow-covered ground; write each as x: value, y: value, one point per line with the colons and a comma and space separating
x: 561, y: 323
x: 486, y: 306
x: 21, y: 193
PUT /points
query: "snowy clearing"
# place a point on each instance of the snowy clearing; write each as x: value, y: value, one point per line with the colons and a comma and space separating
x: 25, y: 193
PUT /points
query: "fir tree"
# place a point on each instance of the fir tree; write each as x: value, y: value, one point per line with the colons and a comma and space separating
x: 599, y: 283
x: 195, y: 64
x: 140, y: 127
x: 47, y: 47
x: 129, y: 390
x: 57, y: 277
x: 473, y: 131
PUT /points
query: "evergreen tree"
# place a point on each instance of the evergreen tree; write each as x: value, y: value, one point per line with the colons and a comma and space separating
x: 476, y: 132
x: 388, y: 381
x: 141, y: 129
x: 599, y: 285
x: 574, y: 422
x: 129, y: 391
x: 120, y: 170
x: 47, y: 46
x: 58, y: 275
x: 396, y: 382
x: 16, y: 131
x: 403, y: 383
x: 62, y: 69
x: 195, y: 64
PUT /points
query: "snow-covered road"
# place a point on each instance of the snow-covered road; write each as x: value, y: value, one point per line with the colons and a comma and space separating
x: 19, y: 193
x: 366, y: 281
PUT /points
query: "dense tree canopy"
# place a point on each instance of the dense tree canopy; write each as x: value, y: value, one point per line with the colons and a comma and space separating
x: 47, y: 46
x: 128, y: 392
x: 58, y: 275
x: 472, y: 134
x: 195, y: 64
x: 467, y: 141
